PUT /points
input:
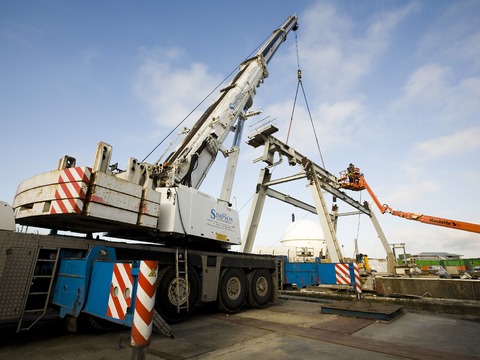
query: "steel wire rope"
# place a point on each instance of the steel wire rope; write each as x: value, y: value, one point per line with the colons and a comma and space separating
x: 300, y: 84
x: 313, y: 126
x: 358, y: 225
x: 299, y: 76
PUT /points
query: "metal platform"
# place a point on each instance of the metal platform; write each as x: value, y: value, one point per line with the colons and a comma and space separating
x: 363, y: 309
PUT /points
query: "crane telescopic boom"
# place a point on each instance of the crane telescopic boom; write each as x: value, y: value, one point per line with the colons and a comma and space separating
x: 189, y: 163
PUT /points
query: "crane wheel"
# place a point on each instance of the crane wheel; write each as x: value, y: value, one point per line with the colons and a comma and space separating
x: 260, y: 286
x: 232, y: 290
x: 167, y: 298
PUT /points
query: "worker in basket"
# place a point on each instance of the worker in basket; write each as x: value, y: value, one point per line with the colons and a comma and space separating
x: 353, y: 174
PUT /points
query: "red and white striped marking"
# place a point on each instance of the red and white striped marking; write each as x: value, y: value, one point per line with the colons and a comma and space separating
x: 358, y: 283
x: 342, y: 274
x: 71, y: 191
x: 144, y: 303
x: 120, y: 291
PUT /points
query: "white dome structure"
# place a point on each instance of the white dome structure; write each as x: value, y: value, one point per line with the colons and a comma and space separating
x: 302, y: 241
x: 302, y: 233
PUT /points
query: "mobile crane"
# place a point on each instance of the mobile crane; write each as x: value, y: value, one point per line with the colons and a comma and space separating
x: 353, y: 179
x: 159, y: 206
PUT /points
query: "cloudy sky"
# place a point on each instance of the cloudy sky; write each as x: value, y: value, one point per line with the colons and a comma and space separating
x: 392, y: 86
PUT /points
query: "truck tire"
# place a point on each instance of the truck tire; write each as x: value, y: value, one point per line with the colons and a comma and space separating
x: 260, y: 286
x: 232, y: 290
x: 166, y: 298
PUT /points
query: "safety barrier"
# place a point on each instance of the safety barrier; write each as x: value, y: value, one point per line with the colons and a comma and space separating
x: 317, y: 273
x: 144, y: 303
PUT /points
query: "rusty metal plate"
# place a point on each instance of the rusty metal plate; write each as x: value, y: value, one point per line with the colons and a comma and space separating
x: 343, y: 325
x: 363, y: 309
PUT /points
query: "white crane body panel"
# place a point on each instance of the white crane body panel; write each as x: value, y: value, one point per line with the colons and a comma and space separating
x: 189, y: 211
x: 107, y: 200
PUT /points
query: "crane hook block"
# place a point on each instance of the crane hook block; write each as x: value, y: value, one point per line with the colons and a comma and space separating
x: 299, y: 73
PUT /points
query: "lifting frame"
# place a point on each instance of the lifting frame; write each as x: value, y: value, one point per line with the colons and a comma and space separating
x: 319, y: 180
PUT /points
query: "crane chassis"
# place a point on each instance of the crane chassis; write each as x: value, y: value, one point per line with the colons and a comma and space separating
x: 153, y: 212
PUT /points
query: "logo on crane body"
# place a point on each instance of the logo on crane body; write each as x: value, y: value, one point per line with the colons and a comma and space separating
x: 236, y: 101
x: 221, y: 216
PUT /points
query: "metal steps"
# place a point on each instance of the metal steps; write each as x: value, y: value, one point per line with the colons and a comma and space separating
x: 38, y: 296
x: 181, y: 270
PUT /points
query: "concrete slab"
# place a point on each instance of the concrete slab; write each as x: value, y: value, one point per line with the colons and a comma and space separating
x: 445, y: 333
x: 289, y: 330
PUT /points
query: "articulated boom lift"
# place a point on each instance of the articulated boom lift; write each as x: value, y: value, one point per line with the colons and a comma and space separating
x: 355, y: 181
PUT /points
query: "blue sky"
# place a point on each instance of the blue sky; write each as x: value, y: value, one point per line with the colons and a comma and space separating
x: 393, y: 86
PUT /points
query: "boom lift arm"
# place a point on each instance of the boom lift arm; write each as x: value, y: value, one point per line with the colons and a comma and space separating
x: 354, y: 180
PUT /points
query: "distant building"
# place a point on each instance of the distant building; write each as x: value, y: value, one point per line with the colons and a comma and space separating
x: 435, y: 256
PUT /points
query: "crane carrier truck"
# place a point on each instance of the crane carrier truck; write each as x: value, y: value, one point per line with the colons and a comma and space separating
x: 157, y: 207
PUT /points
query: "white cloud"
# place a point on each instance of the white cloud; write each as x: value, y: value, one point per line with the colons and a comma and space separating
x: 420, y: 237
x: 335, y: 123
x: 454, y: 36
x: 338, y: 51
x: 462, y: 105
x: 89, y: 56
x: 432, y: 90
x: 24, y: 34
x: 458, y: 143
x: 408, y: 194
x: 172, y: 91
x: 444, y: 88
x: 426, y: 84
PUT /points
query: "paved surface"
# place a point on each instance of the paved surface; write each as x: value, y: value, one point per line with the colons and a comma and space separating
x: 289, y: 330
